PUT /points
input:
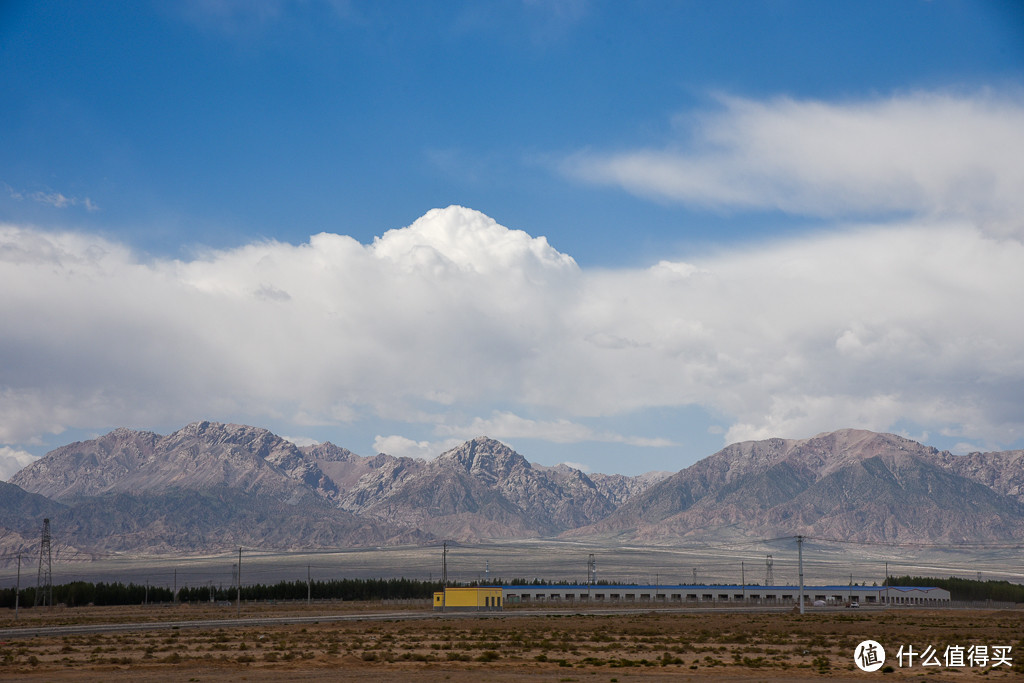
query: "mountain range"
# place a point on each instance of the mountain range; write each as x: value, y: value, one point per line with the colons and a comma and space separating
x: 212, y: 486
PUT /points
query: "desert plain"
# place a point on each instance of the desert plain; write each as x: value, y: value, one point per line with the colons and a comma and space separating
x: 386, y: 642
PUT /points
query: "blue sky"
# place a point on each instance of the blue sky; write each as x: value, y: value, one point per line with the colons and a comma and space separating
x: 760, y: 219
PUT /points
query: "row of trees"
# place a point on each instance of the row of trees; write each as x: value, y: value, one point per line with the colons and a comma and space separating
x: 966, y: 589
x: 80, y: 593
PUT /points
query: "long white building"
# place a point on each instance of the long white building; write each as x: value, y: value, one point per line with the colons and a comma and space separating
x: 754, y: 595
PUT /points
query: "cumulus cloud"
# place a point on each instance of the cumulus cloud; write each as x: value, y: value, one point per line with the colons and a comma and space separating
x: 96, y: 334
x: 446, y: 321
x: 12, y: 461
x: 935, y: 154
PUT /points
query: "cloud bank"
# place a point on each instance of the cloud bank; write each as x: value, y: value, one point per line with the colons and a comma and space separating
x: 467, y: 327
x: 935, y: 154
x: 867, y: 327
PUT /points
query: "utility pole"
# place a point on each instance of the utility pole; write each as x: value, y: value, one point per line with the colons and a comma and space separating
x: 44, y: 578
x: 591, y: 573
x: 238, y: 608
x: 769, y: 572
x: 17, y: 590
x: 743, y: 580
x: 887, y: 584
x: 309, y: 586
x: 800, y: 555
x: 444, y: 575
x: 694, y: 576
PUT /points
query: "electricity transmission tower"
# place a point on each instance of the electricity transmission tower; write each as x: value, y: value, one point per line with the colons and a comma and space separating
x: 769, y: 576
x: 44, y: 579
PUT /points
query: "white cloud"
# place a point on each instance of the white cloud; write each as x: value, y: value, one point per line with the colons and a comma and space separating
x: 932, y: 154
x: 908, y: 322
x: 506, y: 425
x: 459, y: 316
x: 57, y: 200
x: 301, y: 440
x: 12, y: 461
x: 455, y: 240
x: 401, y: 447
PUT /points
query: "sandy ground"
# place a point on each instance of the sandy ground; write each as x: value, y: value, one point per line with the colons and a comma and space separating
x: 676, y: 646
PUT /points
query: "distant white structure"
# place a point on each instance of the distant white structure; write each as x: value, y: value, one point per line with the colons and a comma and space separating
x: 751, y: 595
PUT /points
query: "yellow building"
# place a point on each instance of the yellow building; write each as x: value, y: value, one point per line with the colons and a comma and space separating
x: 482, y: 598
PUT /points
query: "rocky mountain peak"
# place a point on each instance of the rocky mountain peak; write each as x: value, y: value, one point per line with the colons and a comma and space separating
x: 197, y: 456
x: 484, y: 454
x: 850, y: 484
x: 228, y: 434
x: 329, y: 452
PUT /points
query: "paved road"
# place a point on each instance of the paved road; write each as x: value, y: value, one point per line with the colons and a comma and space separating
x: 85, y: 629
